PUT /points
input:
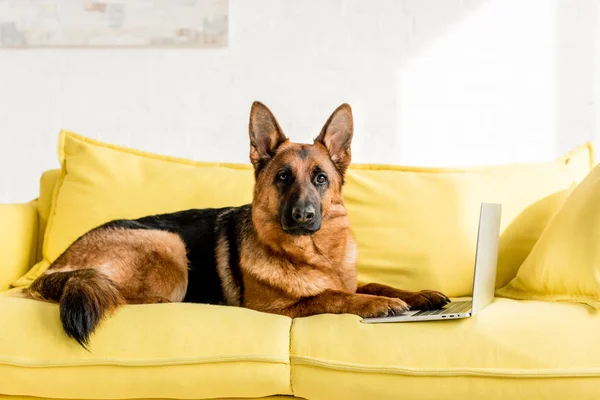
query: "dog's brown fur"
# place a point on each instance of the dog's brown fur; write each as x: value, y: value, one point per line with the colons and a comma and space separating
x: 146, y: 266
x: 291, y: 274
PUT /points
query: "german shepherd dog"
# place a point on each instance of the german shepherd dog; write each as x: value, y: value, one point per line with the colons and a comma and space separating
x: 290, y: 252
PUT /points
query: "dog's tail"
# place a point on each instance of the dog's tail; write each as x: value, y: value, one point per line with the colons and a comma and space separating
x: 85, y: 296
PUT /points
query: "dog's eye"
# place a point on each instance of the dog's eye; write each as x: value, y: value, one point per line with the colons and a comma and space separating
x: 321, y: 179
x: 283, y: 176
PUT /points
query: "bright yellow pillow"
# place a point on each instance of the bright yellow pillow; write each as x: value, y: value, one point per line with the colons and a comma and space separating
x: 100, y: 182
x: 564, y: 265
x: 416, y: 227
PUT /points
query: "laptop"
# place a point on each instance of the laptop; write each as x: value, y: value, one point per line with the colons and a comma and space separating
x: 484, y: 277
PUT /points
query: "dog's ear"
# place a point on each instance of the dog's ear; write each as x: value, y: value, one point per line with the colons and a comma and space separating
x: 336, y: 136
x: 265, y: 135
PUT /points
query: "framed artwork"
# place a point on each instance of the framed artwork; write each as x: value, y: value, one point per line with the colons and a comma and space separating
x: 114, y: 23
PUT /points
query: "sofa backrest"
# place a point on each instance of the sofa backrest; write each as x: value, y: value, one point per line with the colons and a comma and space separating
x: 47, y: 185
x: 416, y: 227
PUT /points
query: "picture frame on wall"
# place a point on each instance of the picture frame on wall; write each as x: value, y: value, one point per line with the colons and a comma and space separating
x: 114, y: 23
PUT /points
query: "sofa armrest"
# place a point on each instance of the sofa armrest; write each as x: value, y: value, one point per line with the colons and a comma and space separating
x: 18, y: 241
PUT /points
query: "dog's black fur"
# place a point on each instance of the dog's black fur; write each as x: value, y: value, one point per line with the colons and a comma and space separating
x: 199, y: 229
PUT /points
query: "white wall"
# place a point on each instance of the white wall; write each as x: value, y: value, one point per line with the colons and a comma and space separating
x: 431, y: 82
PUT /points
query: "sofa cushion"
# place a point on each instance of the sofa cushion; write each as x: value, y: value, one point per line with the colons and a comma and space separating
x: 510, y: 350
x: 179, y: 351
x: 415, y: 227
x: 18, y: 239
x: 100, y: 182
x: 48, y: 182
x: 564, y: 265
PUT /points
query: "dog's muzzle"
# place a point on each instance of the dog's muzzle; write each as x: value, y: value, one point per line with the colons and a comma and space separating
x: 302, y: 219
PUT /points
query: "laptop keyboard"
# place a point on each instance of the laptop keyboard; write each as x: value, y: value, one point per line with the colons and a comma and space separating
x: 452, y: 308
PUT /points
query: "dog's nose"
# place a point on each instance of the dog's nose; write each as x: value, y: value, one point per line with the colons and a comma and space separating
x: 303, y: 214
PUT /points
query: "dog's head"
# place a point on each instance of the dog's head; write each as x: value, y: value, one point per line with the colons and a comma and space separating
x: 297, y: 184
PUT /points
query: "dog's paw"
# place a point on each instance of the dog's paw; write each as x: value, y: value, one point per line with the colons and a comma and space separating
x: 383, y: 307
x: 427, y: 300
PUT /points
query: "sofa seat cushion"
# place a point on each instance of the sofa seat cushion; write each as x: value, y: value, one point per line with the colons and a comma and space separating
x: 511, y: 350
x: 178, y: 351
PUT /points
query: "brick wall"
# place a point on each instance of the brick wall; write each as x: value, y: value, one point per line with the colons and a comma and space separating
x: 432, y: 82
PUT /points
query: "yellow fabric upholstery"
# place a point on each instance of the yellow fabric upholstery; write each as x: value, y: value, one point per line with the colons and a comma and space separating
x: 99, y: 182
x: 3, y: 397
x: 47, y: 186
x: 511, y: 350
x: 18, y: 240
x: 186, y: 351
x: 416, y: 228
x: 564, y: 265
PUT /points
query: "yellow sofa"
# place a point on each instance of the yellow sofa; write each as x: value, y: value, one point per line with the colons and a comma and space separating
x: 514, y: 349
